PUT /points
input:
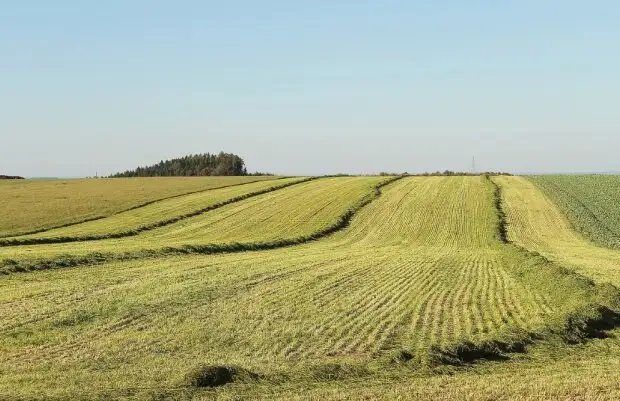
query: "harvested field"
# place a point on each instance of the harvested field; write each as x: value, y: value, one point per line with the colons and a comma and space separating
x: 416, y: 281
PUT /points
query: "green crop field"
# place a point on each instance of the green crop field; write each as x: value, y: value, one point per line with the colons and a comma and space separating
x: 539, y: 225
x: 327, y: 288
x: 589, y: 202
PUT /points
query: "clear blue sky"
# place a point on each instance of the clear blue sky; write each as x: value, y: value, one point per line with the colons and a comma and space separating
x: 310, y: 87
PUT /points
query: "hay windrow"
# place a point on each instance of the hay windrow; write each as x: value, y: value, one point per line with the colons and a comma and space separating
x: 8, y: 266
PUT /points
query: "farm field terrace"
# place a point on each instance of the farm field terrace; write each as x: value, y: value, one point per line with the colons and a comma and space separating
x: 420, y: 282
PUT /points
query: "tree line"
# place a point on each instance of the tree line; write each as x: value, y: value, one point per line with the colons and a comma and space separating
x: 449, y: 173
x: 446, y: 173
x: 205, y: 164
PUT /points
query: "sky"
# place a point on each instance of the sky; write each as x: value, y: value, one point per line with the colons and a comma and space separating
x: 310, y: 87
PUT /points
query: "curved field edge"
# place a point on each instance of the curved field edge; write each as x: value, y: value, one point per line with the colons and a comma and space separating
x: 540, y: 225
x: 135, y: 207
x: 586, y: 310
x: 8, y: 266
x: 582, y: 219
x: 155, y: 225
x: 595, y: 304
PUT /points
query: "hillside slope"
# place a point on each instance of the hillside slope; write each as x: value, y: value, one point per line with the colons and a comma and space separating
x: 291, y: 213
x: 35, y: 205
x: 538, y: 224
x: 589, y: 202
x: 153, y: 215
x: 418, y: 281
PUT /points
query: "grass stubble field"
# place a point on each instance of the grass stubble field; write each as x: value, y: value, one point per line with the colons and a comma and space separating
x: 329, y: 288
x: 38, y: 205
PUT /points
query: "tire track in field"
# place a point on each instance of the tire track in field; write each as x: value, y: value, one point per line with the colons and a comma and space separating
x: 441, y: 310
x: 389, y: 317
x: 364, y: 335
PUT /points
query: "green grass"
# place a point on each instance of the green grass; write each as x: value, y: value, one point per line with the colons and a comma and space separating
x: 154, y: 215
x: 416, y: 285
x: 292, y: 213
x: 538, y: 224
x: 34, y: 205
x: 590, y: 203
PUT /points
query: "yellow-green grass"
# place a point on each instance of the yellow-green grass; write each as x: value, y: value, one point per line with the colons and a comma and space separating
x: 157, y: 212
x: 536, y: 223
x: 586, y: 372
x: 33, y: 205
x: 399, y: 278
x: 422, y: 265
x: 590, y: 203
x: 289, y: 213
x: 436, y: 212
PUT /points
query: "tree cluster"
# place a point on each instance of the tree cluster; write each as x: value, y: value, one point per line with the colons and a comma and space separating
x: 10, y: 177
x: 449, y: 173
x: 193, y: 165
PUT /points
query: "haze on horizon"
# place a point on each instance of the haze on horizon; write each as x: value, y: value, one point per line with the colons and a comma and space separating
x: 311, y: 87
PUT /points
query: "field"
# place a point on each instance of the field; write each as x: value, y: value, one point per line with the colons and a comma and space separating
x: 539, y: 225
x: 340, y: 288
x: 30, y: 205
x: 586, y: 201
x: 153, y: 216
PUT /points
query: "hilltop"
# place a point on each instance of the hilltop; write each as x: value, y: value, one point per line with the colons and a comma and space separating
x: 205, y: 164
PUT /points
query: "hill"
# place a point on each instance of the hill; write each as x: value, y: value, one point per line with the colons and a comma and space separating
x: 389, y: 287
x: 205, y: 164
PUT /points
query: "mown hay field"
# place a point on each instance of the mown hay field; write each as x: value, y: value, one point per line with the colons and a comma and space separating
x: 33, y: 205
x: 538, y: 224
x: 589, y: 202
x: 152, y: 216
x: 293, y: 212
x: 409, y: 287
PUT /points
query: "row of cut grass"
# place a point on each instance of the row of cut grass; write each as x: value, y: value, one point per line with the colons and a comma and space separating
x: 289, y: 216
x: 364, y: 301
x: 30, y: 206
x: 536, y: 223
x: 590, y: 203
x: 155, y: 215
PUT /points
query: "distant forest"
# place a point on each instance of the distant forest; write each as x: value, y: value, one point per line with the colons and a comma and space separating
x: 193, y: 165
x: 10, y: 177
